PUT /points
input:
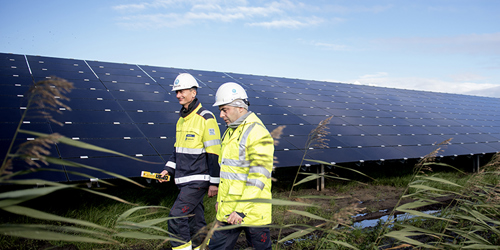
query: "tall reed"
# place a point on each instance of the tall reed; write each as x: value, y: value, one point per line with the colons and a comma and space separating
x: 469, y: 219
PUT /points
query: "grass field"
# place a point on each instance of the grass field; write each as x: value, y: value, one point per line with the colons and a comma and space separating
x: 336, y: 204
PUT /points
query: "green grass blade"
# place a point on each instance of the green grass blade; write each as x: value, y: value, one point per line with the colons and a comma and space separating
x: 107, y: 196
x: 78, y: 165
x: 470, y: 236
x: 38, y: 182
x: 427, y: 188
x: 337, y: 166
x: 403, y: 236
x: 145, y: 236
x: 15, y: 197
x: 136, y: 226
x: 481, y: 246
x: 313, y: 177
x: 415, y: 204
x: 410, y: 228
x: 32, y: 192
x: 307, y: 179
x: 424, y: 215
x: 129, y: 212
x: 38, y: 232
x: 480, y: 219
x: 84, y: 145
x: 345, y: 244
x: 307, y: 214
x: 15, y: 201
x: 51, y: 217
x: 443, y: 165
x: 440, y: 180
x: 298, y: 234
x: 155, y: 221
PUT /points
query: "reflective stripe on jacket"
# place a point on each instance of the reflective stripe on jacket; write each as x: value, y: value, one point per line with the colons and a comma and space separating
x: 246, y: 164
x: 196, y: 149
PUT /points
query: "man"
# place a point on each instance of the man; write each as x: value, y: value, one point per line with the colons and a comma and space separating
x: 194, y: 163
x: 246, y: 164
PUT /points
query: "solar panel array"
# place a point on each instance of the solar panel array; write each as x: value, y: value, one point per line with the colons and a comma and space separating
x: 131, y: 109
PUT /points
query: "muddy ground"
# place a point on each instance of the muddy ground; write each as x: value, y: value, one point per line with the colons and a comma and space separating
x: 366, y: 200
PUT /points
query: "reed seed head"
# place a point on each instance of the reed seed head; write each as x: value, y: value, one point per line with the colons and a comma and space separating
x: 47, y: 95
x: 317, y: 137
x: 37, y: 149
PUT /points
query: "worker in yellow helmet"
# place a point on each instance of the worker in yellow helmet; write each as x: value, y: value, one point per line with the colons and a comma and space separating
x: 246, y: 162
x: 194, y: 163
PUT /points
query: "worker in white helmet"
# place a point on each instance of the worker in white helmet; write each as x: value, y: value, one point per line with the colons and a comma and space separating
x: 246, y: 162
x: 194, y: 163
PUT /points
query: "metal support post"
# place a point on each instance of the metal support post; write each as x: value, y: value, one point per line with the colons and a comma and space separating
x: 475, y: 163
x: 320, y: 182
x: 317, y: 180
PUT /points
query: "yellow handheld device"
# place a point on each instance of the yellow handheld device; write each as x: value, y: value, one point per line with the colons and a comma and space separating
x: 156, y: 176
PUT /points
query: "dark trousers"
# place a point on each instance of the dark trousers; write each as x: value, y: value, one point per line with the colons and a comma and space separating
x: 189, y: 201
x: 257, y: 238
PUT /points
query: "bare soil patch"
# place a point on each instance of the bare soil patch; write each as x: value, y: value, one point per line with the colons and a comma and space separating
x: 372, y: 201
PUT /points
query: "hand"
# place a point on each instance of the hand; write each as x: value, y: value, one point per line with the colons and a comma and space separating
x: 212, y: 191
x: 163, y: 173
x: 234, y: 219
x: 216, y: 206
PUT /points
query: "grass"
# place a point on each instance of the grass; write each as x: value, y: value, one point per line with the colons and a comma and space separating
x: 85, y: 206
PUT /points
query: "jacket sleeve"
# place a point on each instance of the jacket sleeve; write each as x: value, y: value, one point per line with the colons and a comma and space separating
x: 170, y: 166
x: 212, y: 144
x: 260, y: 152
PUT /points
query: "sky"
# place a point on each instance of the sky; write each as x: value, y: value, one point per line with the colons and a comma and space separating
x: 449, y: 46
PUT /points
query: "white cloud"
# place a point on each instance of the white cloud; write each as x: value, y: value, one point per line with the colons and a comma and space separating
x: 490, y: 92
x: 288, y: 23
x: 135, y: 7
x: 214, y: 16
x: 356, y: 8
x: 382, y: 79
x: 167, y: 13
x: 467, y: 77
x: 330, y: 46
x: 130, y: 7
x: 156, y: 20
x: 463, y: 44
x: 376, y: 75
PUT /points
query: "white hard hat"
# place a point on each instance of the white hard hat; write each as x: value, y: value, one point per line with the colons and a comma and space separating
x: 184, y: 81
x: 229, y: 92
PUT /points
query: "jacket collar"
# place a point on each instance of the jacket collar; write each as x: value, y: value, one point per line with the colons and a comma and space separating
x: 192, y: 106
x: 240, y: 120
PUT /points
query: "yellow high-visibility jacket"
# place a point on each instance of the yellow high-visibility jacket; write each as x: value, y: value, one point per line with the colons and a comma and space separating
x: 246, y: 164
x: 197, y: 147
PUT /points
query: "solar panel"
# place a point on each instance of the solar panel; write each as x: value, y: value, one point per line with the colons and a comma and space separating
x: 131, y: 109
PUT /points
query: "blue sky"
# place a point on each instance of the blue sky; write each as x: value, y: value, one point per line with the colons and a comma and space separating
x: 450, y: 46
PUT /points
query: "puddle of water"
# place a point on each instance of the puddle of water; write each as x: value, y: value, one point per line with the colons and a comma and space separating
x: 290, y: 242
x: 383, y: 219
